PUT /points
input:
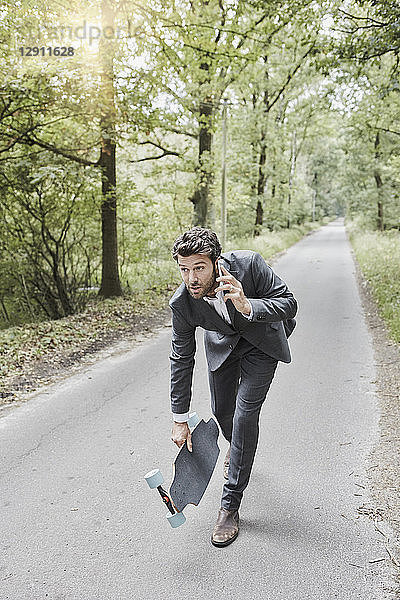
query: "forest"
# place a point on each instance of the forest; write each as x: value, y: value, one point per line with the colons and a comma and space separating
x: 122, y: 123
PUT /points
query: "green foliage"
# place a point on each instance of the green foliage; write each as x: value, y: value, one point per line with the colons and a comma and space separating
x: 48, y: 237
x: 370, y: 28
x: 378, y: 255
x: 312, y: 133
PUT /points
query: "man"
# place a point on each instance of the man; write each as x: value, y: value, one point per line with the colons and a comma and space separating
x: 247, y: 313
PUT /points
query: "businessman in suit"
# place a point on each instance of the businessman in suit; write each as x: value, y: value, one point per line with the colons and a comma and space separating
x: 247, y: 313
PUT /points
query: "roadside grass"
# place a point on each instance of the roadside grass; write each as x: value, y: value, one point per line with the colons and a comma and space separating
x: 151, y: 284
x: 378, y: 254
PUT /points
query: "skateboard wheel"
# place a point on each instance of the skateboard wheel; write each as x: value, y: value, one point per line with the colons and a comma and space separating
x: 154, y: 478
x: 193, y: 420
x: 176, y: 520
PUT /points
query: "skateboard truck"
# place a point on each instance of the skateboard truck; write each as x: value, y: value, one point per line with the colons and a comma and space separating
x: 155, y: 479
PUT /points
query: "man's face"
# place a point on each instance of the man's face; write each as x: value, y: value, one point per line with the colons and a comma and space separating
x: 198, y: 274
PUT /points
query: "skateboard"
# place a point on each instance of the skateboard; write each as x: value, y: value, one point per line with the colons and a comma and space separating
x: 192, y: 470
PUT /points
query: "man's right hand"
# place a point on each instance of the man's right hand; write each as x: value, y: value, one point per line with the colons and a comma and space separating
x: 180, y: 434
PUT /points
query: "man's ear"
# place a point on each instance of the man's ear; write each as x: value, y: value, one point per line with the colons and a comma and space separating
x: 216, y: 269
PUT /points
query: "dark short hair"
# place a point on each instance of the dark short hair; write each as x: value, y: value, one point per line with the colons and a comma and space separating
x: 197, y: 240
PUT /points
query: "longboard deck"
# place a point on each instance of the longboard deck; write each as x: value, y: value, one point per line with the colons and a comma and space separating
x: 193, y: 470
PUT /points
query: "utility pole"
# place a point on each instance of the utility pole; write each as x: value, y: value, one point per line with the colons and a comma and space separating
x: 314, y: 196
x: 223, y: 185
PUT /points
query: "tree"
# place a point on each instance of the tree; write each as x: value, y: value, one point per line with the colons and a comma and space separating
x: 110, y: 283
x: 203, y: 46
x: 38, y: 109
x: 370, y: 30
x: 44, y: 238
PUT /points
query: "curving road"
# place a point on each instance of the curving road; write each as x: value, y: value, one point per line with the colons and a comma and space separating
x: 79, y: 523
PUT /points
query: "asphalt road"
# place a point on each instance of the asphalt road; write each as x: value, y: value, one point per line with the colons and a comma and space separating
x: 78, y: 521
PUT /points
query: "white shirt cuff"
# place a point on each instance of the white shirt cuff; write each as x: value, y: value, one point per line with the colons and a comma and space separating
x: 250, y: 316
x: 180, y: 417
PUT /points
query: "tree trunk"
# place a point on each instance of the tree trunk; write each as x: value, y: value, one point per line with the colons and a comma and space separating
x: 260, y: 187
x: 261, y: 179
x: 259, y: 218
x: 201, y: 195
x: 314, y: 197
x: 66, y: 305
x: 379, y: 184
x: 3, y: 306
x: 110, y: 282
x: 261, y: 164
x: 292, y: 172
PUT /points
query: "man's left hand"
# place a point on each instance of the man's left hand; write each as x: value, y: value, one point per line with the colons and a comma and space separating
x: 234, y: 289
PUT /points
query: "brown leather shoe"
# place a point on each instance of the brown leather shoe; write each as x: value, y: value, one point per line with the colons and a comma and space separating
x: 226, y: 528
x: 226, y: 462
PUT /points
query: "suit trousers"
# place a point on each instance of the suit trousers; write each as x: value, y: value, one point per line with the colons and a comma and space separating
x: 238, y: 389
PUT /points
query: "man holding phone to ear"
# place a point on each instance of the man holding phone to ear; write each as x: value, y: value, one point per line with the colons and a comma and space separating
x: 247, y: 313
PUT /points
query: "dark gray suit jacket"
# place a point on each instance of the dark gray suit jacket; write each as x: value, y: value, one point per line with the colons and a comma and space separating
x: 274, y: 307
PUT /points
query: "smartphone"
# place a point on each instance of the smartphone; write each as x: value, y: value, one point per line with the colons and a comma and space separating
x: 220, y: 295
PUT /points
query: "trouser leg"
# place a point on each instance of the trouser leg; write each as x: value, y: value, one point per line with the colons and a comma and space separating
x: 257, y: 370
x: 224, y: 384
